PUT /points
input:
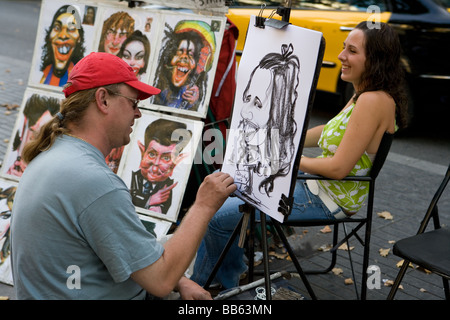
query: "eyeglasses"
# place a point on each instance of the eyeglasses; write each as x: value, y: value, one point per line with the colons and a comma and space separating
x: 135, y: 101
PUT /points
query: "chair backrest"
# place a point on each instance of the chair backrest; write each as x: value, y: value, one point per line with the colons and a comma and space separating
x: 432, y: 208
x: 382, y: 153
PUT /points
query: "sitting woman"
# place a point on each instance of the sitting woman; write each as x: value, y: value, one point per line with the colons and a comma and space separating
x: 349, y: 142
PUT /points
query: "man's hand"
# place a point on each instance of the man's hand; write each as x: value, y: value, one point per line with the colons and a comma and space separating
x: 214, y: 190
x: 190, y: 290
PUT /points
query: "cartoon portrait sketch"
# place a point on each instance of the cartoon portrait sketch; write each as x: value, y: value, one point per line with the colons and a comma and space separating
x: 151, y: 185
x: 135, y: 51
x: 267, y: 126
x: 63, y: 47
x: 116, y: 28
x: 158, y: 162
x: 7, y: 192
x: 37, y: 109
x: 129, y: 35
x: 63, y: 39
x: 89, y: 15
x: 186, y: 58
x: 273, y: 95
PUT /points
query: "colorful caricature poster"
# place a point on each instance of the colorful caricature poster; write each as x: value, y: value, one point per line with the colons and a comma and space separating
x: 187, y: 60
x: 129, y: 34
x: 38, y: 107
x: 7, y: 192
x: 275, y: 79
x: 65, y: 35
x: 158, y: 162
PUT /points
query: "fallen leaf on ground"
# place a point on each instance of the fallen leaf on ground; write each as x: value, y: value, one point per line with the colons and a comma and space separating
x: 386, y: 215
x: 345, y: 247
x: 348, y: 281
x: 326, y: 229
x: 390, y: 283
x: 384, y: 252
x: 424, y: 270
x: 400, y: 263
x: 337, y: 271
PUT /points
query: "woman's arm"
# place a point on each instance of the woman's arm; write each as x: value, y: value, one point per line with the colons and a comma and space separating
x: 373, y: 114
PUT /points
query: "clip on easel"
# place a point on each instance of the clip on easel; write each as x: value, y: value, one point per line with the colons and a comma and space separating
x: 284, y: 12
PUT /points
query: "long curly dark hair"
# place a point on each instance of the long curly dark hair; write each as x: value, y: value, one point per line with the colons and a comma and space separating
x: 383, y: 69
x: 164, y: 69
x: 284, y: 68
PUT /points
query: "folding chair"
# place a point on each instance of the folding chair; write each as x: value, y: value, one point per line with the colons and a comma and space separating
x: 428, y: 249
x: 359, y: 220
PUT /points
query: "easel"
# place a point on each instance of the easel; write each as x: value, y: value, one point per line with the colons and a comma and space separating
x: 248, y: 211
x: 248, y: 219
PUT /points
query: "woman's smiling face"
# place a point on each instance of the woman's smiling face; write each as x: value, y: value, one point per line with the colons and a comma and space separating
x: 353, y: 57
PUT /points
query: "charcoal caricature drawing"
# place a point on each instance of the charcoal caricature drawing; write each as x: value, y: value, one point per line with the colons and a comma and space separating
x: 273, y: 93
x: 267, y: 127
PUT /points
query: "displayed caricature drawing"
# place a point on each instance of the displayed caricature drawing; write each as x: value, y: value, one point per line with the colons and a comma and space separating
x: 64, y: 46
x: 274, y: 84
x: 7, y: 192
x: 151, y: 185
x: 187, y: 55
x: 159, y: 159
x: 135, y: 51
x: 38, y: 108
x: 116, y: 28
x: 128, y: 34
x: 63, y: 39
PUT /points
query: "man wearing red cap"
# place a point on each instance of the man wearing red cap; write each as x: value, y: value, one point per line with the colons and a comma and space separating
x: 75, y: 233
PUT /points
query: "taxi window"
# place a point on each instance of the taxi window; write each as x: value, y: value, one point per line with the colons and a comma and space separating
x: 350, y: 5
x: 409, y: 7
x: 444, y: 3
x: 347, y: 5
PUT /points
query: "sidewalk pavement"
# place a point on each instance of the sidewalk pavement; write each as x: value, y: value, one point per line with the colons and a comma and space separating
x: 404, y: 189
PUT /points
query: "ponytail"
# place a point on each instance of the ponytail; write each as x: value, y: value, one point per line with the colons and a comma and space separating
x: 72, y: 111
x: 46, y: 136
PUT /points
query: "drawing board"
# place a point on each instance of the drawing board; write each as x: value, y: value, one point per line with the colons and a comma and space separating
x: 275, y: 80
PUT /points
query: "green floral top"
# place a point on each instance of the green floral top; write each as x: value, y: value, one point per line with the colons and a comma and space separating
x: 349, y: 195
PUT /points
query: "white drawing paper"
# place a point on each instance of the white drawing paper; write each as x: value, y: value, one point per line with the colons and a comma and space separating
x: 275, y: 79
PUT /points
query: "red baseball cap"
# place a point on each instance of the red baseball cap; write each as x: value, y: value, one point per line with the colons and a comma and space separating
x: 101, y: 69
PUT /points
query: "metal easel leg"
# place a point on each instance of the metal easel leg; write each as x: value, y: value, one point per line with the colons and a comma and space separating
x: 265, y: 257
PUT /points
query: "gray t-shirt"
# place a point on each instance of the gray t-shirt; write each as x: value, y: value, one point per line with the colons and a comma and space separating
x: 74, y: 231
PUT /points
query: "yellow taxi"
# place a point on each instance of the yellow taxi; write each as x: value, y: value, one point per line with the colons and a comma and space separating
x: 423, y: 27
